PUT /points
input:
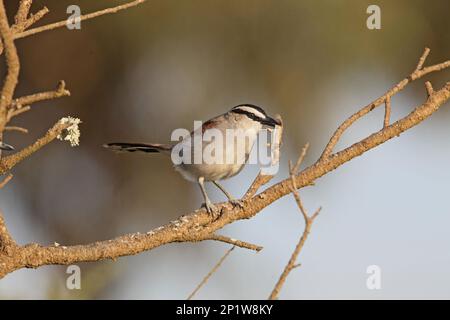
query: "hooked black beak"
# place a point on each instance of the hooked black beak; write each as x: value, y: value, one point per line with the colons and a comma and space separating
x: 7, y: 147
x: 271, y: 122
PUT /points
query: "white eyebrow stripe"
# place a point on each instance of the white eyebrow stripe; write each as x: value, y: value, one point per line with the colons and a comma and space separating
x: 252, y: 110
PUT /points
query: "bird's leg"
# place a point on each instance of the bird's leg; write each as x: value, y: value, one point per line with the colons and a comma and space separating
x: 208, y: 204
x: 232, y: 200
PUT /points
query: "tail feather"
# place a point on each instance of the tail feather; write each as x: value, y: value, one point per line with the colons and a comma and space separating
x: 139, y: 147
x: 4, y: 146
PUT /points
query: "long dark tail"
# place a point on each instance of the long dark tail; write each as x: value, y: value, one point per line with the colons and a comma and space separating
x: 138, y: 147
x: 4, y: 146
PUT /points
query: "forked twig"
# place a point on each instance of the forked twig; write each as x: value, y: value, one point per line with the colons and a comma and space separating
x: 85, y: 17
x: 418, y: 73
x: 293, y: 170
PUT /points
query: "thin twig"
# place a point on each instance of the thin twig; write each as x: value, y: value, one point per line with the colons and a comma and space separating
x: 387, y: 111
x: 296, y: 168
x: 22, y: 12
x: 60, y: 91
x: 6, y: 180
x: 15, y: 112
x: 308, y: 223
x: 417, y: 74
x: 15, y: 128
x: 205, y: 279
x: 422, y: 59
x: 235, y: 242
x: 429, y: 88
x: 88, y: 16
x: 292, y: 261
x: 7, y: 163
x: 21, y: 20
x: 30, y: 21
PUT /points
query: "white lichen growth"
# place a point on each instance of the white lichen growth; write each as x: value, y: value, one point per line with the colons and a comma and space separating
x: 72, y: 133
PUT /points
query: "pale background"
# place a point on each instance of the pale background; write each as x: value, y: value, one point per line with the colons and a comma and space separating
x: 139, y: 74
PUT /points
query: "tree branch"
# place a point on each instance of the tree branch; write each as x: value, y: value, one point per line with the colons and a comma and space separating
x: 429, y: 88
x: 292, y: 261
x: 28, y: 22
x: 13, y: 66
x: 7, y: 163
x: 260, y: 180
x: 22, y: 22
x: 15, y: 128
x: 5, y: 181
x: 418, y: 73
x: 199, y: 225
x: 60, y: 91
x: 7, y: 243
x: 22, y: 12
x: 291, y: 265
x: 387, y: 111
x: 422, y: 59
x: 88, y: 16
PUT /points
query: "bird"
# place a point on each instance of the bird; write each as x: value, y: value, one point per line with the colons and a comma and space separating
x: 6, y: 147
x: 247, y: 118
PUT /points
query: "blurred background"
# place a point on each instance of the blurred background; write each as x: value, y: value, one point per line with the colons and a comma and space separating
x: 139, y: 74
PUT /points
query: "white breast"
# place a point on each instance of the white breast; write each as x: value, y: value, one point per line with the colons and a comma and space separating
x: 227, y: 164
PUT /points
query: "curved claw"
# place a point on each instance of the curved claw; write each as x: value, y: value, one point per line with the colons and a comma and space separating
x: 211, y: 209
x: 237, y: 203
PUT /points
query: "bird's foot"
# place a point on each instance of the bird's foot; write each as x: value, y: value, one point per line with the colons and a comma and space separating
x: 237, y: 203
x: 211, y: 209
